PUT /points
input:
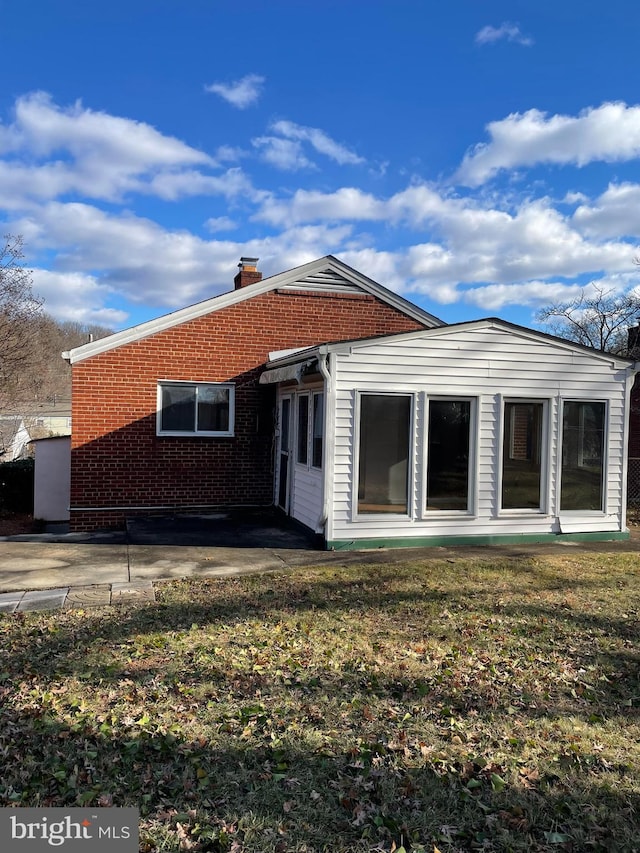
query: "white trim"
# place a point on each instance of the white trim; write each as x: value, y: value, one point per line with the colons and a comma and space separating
x: 604, y: 492
x: 306, y: 396
x: 217, y: 303
x: 313, y: 395
x: 543, y: 508
x: 357, y: 516
x: 439, y: 331
x: 472, y: 470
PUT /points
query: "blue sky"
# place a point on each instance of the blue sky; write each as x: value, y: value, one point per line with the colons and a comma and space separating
x: 480, y: 158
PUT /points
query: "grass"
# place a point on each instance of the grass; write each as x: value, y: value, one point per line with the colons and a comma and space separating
x: 439, y: 705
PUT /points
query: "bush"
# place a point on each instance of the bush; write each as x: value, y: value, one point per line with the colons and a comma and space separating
x: 16, y: 486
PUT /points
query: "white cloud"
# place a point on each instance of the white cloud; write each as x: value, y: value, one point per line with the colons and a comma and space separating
x: 609, y: 133
x: 284, y: 154
x: 78, y: 297
x: 241, y: 93
x: 613, y: 214
x: 470, y: 242
x: 493, y: 297
x: 505, y: 32
x: 146, y: 264
x: 51, y: 151
x: 318, y: 140
x: 220, y: 223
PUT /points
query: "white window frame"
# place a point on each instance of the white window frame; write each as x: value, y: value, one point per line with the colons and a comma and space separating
x: 315, y: 394
x: 472, y: 474
x: 304, y: 395
x: 383, y: 518
x: 604, y: 502
x: 545, y: 458
x: 195, y: 433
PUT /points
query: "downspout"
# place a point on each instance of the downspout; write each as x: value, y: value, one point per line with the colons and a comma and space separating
x: 631, y: 375
x: 328, y: 444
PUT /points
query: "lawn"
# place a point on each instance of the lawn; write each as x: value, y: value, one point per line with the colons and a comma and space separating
x: 439, y: 705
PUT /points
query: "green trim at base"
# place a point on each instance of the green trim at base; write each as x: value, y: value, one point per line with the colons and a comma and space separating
x: 487, y: 539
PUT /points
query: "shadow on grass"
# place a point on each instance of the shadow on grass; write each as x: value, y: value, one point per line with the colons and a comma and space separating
x: 291, y: 794
x: 422, y: 649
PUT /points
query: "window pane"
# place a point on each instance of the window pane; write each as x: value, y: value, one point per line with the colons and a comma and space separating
x: 383, y: 454
x: 522, y: 455
x: 178, y: 408
x: 582, y: 456
x: 318, y: 429
x: 448, y: 460
x: 213, y: 409
x: 303, y: 429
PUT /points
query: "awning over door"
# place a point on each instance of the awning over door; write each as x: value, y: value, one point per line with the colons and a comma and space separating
x: 289, y: 373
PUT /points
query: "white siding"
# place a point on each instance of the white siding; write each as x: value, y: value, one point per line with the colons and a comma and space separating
x: 306, y: 498
x: 490, y: 365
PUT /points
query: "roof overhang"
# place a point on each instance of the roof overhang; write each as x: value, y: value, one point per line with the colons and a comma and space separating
x: 289, y: 280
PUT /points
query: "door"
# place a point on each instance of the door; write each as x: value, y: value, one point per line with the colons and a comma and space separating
x: 284, y: 453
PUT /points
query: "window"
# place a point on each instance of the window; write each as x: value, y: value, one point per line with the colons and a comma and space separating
x: 303, y: 430
x: 202, y: 409
x: 448, y: 455
x: 582, y: 478
x: 318, y: 431
x: 383, y: 453
x: 522, y: 455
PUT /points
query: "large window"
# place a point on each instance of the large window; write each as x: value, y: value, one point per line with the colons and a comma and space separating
x: 448, y: 455
x: 195, y: 409
x: 583, y: 427
x: 522, y: 455
x: 383, y: 458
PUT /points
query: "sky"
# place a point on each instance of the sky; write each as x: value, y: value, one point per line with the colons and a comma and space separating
x: 480, y: 158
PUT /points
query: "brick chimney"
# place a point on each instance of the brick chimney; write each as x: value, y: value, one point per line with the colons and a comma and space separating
x: 248, y: 273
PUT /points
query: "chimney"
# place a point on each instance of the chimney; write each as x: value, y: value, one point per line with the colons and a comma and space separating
x: 248, y: 273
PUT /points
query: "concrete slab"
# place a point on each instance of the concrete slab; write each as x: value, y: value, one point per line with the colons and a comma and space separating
x: 80, y: 597
x: 156, y: 562
x: 136, y: 591
x: 43, y: 599
x: 43, y: 565
x: 9, y: 601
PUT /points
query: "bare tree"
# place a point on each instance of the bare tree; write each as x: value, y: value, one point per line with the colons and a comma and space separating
x: 20, y: 311
x: 597, y: 318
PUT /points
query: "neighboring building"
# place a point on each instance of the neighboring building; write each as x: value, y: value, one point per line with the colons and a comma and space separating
x: 372, y: 423
x: 14, y: 438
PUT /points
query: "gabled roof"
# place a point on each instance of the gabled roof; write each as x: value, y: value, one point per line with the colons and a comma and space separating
x: 444, y: 330
x: 323, y: 274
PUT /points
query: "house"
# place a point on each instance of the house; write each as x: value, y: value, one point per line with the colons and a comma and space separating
x: 169, y: 416
x: 358, y: 414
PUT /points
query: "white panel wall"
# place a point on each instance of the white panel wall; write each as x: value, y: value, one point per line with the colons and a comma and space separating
x: 488, y: 364
x: 52, y: 479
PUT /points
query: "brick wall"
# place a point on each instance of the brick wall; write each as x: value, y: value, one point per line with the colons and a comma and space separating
x: 633, y: 477
x: 118, y: 463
